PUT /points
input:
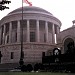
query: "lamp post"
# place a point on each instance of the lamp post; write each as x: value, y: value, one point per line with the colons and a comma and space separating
x: 21, y: 62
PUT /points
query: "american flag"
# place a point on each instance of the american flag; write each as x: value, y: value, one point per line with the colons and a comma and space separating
x: 27, y: 2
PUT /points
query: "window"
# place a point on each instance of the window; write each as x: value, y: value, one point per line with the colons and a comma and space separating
x: 32, y: 24
x: 12, y: 55
x: 14, y: 25
x: 43, y: 54
x: 32, y: 36
x: 7, y: 38
x: 7, y: 28
x: 24, y: 37
x: 23, y: 23
x: 14, y: 37
x: 44, y: 38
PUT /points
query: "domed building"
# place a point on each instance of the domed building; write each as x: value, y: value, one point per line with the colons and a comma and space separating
x: 39, y: 29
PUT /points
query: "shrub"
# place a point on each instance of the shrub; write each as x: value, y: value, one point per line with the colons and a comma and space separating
x: 36, y: 67
x: 29, y: 67
x: 24, y: 68
x: 41, y: 67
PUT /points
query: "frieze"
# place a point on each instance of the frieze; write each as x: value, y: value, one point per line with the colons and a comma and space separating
x: 6, y: 48
x: 35, y: 47
x: 40, y: 47
x: 32, y: 47
x: 17, y: 47
x: 27, y: 47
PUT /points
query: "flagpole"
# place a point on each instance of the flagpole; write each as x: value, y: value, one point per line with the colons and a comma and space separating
x: 21, y: 62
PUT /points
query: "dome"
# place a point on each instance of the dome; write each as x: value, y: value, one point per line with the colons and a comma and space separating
x: 39, y: 29
x: 28, y: 9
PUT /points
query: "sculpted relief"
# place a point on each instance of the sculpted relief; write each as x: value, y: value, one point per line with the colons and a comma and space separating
x: 17, y: 47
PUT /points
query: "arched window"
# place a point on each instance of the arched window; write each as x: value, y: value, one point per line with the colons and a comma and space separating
x: 66, y: 42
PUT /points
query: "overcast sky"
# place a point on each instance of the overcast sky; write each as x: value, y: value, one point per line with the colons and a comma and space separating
x: 64, y: 10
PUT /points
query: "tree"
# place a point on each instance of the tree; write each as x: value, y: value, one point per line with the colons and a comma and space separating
x: 2, y: 7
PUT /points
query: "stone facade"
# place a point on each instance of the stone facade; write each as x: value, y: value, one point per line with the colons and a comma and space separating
x: 39, y: 29
x: 65, y: 37
x: 32, y: 52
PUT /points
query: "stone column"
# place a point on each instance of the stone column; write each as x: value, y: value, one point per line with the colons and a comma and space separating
x: 53, y: 34
x: 57, y: 32
x: 28, y: 31
x: 37, y: 32
x: 46, y: 31
x: 4, y: 35
x: 6, y: 40
x: 18, y: 31
x: 10, y: 32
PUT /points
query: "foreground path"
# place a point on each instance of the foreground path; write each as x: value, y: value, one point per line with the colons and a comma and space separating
x: 29, y: 73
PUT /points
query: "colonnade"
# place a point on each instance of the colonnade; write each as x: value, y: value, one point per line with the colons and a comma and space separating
x: 28, y: 31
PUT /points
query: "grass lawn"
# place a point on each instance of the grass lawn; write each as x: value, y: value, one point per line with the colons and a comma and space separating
x: 29, y: 73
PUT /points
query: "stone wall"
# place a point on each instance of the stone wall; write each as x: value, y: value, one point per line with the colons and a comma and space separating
x: 32, y: 52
